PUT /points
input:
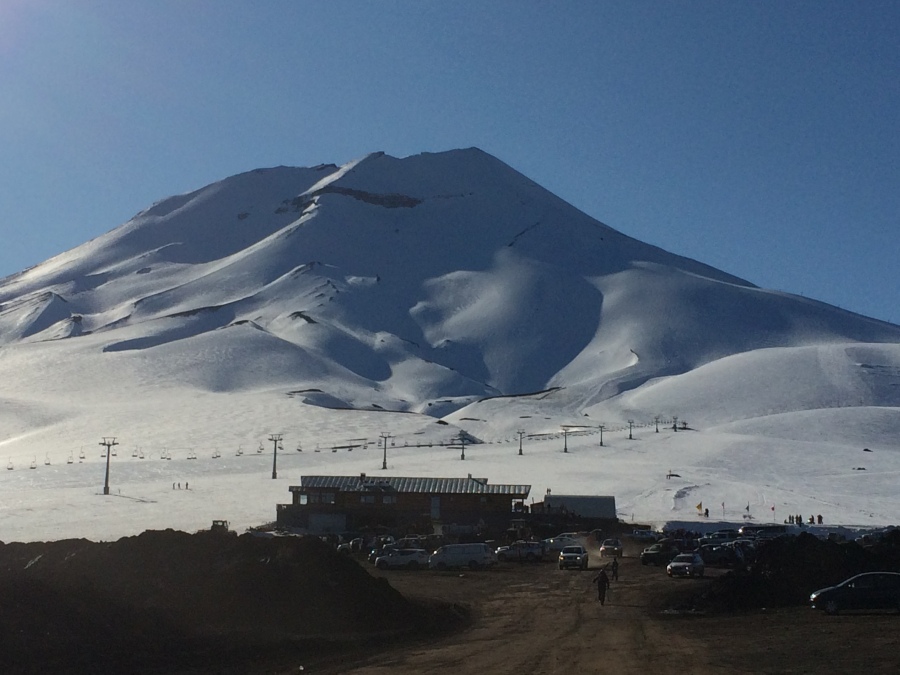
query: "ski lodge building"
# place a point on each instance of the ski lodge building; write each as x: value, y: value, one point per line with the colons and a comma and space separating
x: 335, y: 504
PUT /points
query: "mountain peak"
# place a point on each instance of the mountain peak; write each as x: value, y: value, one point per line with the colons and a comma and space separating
x: 402, y: 282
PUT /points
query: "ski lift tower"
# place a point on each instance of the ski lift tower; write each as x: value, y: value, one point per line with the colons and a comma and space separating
x: 566, y: 430
x: 109, y: 442
x: 460, y: 443
x: 276, y: 441
x: 384, y: 439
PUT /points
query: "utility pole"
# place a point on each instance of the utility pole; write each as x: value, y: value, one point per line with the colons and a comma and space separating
x: 630, y: 427
x: 565, y: 439
x: 109, y: 442
x: 276, y: 439
x: 521, y: 433
x: 384, y: 438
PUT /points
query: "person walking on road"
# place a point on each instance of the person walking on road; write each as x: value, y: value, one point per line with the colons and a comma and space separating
x: 614, y: 569
x: 602, y: 582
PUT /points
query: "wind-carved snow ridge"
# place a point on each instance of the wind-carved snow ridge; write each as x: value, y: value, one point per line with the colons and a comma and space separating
x: 339, y: 173
x: 328, y: 186
x: 391, y: 201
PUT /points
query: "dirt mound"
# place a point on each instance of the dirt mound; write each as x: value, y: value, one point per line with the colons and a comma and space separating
x: 142, y: 604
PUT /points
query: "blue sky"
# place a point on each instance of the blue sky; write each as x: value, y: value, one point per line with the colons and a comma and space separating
x: 762, y: 138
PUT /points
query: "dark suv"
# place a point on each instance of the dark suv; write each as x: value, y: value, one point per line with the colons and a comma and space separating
x: 658, y: 554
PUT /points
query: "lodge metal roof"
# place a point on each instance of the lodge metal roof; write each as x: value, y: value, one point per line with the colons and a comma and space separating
x: 364, y: 483
x: 586, y: 506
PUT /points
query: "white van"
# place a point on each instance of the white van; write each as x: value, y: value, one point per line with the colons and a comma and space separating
x: 472, y: 556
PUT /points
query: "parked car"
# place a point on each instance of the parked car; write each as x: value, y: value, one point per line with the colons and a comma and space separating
x: 557, y: 544
x: 658, y: 554
x: 376, y: 552
x: 718, y: 537
x: 611, y: 548
x: 715, y: 555
x: 473, y: 556
x: 521, y: 551
x: 573, y: 557
x: 872, y: 590
x: 644, y: 535
x: 765, y: 531
x: 686, y: 565
x: 403, y: 558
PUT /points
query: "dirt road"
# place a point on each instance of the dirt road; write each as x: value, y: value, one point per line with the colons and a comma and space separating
x: 539, y: 620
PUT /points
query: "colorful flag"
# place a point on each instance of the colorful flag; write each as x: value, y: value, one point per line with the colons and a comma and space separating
x: 748, y: 507
x: 700, y: 506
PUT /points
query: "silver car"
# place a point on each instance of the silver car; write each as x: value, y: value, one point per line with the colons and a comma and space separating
x: 403, y: 558
x: 573, y: 557
x: 686, y: 565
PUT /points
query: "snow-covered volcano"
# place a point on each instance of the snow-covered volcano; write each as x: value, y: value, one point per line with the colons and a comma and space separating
x: 446, y: 284
x: 399, y: 283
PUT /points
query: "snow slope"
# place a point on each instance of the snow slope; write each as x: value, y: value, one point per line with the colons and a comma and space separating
x: 418, y: 297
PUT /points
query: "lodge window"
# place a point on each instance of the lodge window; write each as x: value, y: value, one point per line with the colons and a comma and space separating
x: 367, y: 499
x: 389, y: 499
x: 328, y: 498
